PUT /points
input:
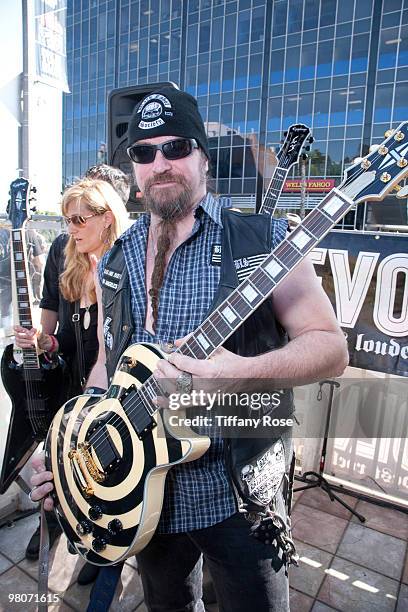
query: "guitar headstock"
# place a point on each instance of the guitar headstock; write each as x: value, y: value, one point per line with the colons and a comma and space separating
x: 372, y: 177
x: 18, y: 208
x: 295, y: 139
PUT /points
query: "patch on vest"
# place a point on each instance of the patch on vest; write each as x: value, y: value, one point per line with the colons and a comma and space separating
x: 111, y: 278
x: 107, y: 334
x: 261, y: 480
x: 216, y: 255
x: 244, y: 266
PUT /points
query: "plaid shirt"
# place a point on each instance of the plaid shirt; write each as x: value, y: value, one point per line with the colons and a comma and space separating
x: 197, y: 494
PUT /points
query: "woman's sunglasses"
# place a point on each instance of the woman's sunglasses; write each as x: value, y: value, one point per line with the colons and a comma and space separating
x: 79, y: 220
x: 172, y: 149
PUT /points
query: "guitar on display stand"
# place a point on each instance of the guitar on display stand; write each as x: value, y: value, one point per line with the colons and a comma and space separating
x: 288, y: 155
x: 110, y: 454
x: 33, y: 382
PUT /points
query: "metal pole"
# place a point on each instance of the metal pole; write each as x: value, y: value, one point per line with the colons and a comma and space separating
x: 24, y: 164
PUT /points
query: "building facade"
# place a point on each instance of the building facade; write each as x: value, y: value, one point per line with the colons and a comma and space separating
x: 256, y: 66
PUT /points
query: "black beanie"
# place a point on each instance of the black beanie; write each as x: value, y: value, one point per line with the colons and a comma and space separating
x: 167, y: 112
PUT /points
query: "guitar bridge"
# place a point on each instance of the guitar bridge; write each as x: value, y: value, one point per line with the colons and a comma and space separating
x: 85, y: 468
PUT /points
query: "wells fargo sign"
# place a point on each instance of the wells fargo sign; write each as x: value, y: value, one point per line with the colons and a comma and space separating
x: 312, y: 185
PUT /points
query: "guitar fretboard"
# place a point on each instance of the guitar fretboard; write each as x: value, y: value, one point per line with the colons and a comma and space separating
x: 30, y: 356
x: 274, y: 190
x: 242, y: 302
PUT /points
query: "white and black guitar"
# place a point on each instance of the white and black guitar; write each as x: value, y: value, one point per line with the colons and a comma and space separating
x: 34, y: 384
x: 110, y: 456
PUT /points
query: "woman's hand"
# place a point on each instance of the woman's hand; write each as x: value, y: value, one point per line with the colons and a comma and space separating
x: 40, y: 481
x: 27, y: 338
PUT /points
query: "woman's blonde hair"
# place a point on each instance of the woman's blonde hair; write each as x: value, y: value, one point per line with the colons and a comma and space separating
x: 98, y: 197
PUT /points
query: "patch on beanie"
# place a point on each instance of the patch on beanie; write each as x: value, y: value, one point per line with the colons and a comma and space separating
x: 153, y: 111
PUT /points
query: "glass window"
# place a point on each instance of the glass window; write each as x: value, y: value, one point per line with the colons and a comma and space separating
x: 341, y: 56
x: 363, y: 9
x: 400, y: 102
x: 192, y: 39
x: 324, y: 58
x: 230, y: 30
x: 217, y: 33
x: 311, y: 14
x: 202, y: 80
x: 241, y: 73
x: 215, y: 77
x: 334, y: 157
x: 239, y: 116
x: 153, y: 50
x: 164, y: 48
x: 328, y: 12
x: 102, y: 27
x: 387, y: 57
x: 355, y: 106
x: 338, y: 108
x: 352, y: 149
x: 403, y: 47
x: 204, y: 44
x: 321, y: 109
x: 279, y: 18
x: 258, y: 24
x: 383, y: 103
x: 175, y: 45
x: 292, y: 64
x: 295, y: 16
x: 305, y: 114
x: 250, y: 164
x: 277, y: 63
x: 228, y: 75
x: 224, y: 157
x: 243, y: 27
x: 359, y: 54
x: 253, y: 115
x: 391, y: 5
x: 226, y: 114
x: 289, y: 110
x: 255, y: 70
x: 308, y: 62
x: 274, y: 114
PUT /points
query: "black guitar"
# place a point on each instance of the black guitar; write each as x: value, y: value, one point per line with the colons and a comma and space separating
x: 34, y: 383
x: 288, y: 155
x: 110, y: 455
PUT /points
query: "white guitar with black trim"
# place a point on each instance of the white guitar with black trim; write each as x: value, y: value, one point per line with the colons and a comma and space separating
x: 110, y: 455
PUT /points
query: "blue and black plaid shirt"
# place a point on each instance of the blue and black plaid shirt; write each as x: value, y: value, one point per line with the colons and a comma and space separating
x: 198, y: 494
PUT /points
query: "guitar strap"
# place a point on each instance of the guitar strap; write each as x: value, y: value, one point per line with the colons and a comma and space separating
x: 76, y: 319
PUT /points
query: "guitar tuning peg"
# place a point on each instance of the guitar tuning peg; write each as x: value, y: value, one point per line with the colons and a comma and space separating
x: 34, y: 209
x: 402, y: 192
x: 388, y: 133
x: 304, y: 156
x: 310, y: 139
x: 285, y: 133
x: 282, y: 141
x: 307, y: 148
x: 34, y: 189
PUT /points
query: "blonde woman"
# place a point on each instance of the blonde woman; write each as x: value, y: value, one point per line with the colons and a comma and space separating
x: 95, y: 215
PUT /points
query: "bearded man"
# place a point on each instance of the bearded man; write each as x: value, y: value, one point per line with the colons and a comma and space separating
x: 159, y: 282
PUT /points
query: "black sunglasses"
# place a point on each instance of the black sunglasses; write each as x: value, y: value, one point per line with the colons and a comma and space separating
x: 172, y: 149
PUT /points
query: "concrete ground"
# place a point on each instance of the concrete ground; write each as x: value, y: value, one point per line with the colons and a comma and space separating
x: 344, y: 565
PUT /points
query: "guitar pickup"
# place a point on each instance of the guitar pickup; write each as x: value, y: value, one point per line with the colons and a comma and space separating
x: 104, y: 447
x: 137, y: 413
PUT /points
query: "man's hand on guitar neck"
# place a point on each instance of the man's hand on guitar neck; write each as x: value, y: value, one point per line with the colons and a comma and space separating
x: 41, y: 482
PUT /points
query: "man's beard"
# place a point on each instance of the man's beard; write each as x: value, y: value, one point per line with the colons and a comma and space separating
x: 170, y: 204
